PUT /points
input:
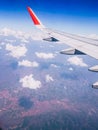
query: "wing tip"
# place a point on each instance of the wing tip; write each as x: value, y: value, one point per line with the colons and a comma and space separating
x: 33, y: 16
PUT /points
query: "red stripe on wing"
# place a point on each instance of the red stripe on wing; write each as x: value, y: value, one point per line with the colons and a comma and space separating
x: 33, y: 16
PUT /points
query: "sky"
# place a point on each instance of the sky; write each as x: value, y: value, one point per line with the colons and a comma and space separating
x: 74, y: 16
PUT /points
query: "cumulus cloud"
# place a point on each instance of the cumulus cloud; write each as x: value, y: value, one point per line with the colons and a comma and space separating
x: 77, y: 61
x: 28, y: 63
x: 29, y: 82
x: 49, y: 78
x: 71, y: 69
x: 53, y: 65
x: 18, y: 34
x: 23, y: 36
x: 6, y: 32
x: 45, y: 55
x: 16, y: 51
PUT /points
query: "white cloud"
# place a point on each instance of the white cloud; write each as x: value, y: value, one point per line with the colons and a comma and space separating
x: 23, y: 36
x: 6, y: 32
x: 30, y: 82
x: 37, y: 35
x: 49, y: 78
x: 71, y: 69
x: 77, y: 61
x: 45, y: 55
x: 2, y: 43
x: 16, y: 51
x: 93, y: 36
x: 24, y: 40
x: 28, y: 63
x: 55, y: 66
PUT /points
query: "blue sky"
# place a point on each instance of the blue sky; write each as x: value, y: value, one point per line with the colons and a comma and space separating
x: 75, y: 16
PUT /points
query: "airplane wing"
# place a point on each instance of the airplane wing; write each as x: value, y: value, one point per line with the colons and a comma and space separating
x: 85, y: 45
x: 82, y: 44
x: 79, y: 43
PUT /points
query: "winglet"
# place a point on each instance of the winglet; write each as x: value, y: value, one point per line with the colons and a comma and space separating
x: 34, y: 18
